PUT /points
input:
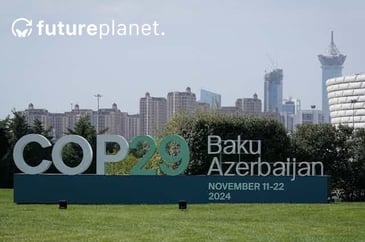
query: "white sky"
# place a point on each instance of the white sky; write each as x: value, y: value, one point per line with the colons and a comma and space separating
x: 221, y: 46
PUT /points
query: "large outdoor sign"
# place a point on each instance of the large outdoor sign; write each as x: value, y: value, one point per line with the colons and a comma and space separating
x: 181, y: 157
x: 232, y: 180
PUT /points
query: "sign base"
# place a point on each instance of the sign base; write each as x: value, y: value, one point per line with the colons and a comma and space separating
x: 100, y: 189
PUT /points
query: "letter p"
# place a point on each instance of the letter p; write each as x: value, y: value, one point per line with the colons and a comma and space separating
x: 103, y: 30
x: 103, y: 158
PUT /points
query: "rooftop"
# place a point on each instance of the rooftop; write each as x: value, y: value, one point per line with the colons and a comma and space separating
x: 332, y: 56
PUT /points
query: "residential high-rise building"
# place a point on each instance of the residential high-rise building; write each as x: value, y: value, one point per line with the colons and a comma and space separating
x: 71, y: 118
x: 153, y: 114
x: 273, y: 91
x: 133, y: 126
x: 53, y: 122
x: 332, y: 64
x: 249, y: 106
x: 112, y: 120
x: 31, y: 114
x: 180, y: 102
x: 56, y: 122
x: 211, y: 98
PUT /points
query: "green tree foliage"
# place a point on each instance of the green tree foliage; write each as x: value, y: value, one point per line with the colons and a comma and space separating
x: 5, y: 176
x: 33, y: 152
x: 18, y: 127
x: 342, y: 152
x: 4, y: 137
x: 354, y: 185
x: 11, y: 130
x: 316, y: 143
x: 14, y: 129
x: 72, y: 153
x: 38, y: 128
x: 124, y: 167
x: 196, y: 129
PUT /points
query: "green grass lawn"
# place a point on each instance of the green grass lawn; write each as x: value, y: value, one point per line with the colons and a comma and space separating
x: 208, y: 222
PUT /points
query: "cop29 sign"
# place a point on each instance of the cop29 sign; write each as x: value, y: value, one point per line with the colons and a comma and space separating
x: 225, y: 181
x: 179, y: 160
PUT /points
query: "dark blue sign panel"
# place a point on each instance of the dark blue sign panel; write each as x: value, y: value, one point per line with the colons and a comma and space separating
x: 100, y: 189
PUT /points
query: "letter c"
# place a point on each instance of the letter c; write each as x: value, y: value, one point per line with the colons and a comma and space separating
x: 19, y: 150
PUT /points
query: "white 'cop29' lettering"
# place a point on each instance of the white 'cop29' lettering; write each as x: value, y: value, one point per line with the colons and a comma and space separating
x: 171, y: 164
x: 87, y: 151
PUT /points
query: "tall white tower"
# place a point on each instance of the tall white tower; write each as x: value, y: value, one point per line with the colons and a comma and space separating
x: 331, y: 63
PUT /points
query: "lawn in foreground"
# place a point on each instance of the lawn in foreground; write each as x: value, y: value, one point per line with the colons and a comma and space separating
x: 208, y: 222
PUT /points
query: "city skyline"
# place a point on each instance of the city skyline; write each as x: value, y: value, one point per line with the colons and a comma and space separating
x: 76, y: 106
x: 155, y: 113
x: 221, y: 47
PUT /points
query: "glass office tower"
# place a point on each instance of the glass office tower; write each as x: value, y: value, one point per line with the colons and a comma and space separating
x: 273, y: 91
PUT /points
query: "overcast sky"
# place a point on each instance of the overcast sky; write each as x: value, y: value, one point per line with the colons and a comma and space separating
x: 222, y: 46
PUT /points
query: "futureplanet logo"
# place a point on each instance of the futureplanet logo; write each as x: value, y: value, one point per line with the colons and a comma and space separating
x: 22, y: 28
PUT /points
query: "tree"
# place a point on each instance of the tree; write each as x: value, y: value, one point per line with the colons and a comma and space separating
x: 33, y: 152
x: 72, y: 153
x: 342, y: 152
x: 4, y: 137
x: 18, y: 127
x: 4, y: 150
x: 38, y: 128
x: 196, y: 128
x: 13, y: 129
x: 356, y: 186
x: 143, y: 148
x: 316, y: 143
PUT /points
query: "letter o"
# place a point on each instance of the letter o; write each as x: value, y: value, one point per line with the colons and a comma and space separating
x: 19, y: 150
x: 86, y: 151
